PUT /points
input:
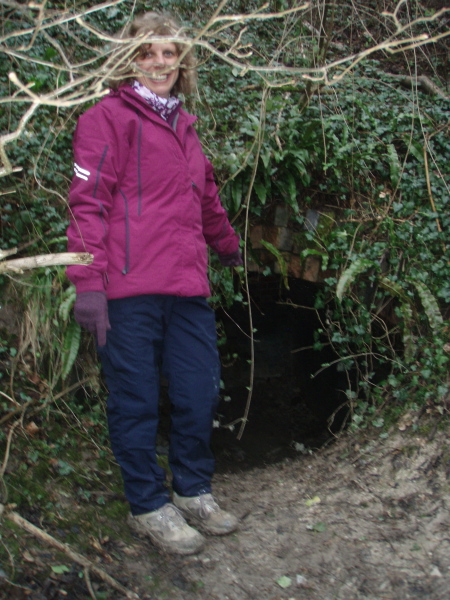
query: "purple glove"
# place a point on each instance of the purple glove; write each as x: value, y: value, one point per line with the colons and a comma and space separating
x: 91, y: 312
x: 231, y: 260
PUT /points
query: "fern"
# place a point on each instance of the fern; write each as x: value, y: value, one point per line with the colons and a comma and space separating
x: 283, y: 266
x: 71, y: 346
x: 395, y: 289
x: 350, y: 274
x: 430, y: 305
x: 409, y: 340
x: 320, y: 253
x: 67, y: 303
x: 394, y: 165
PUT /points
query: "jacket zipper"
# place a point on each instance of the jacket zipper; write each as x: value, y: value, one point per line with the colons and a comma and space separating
x: 99, y: 170
x: 97, y: 181
x: 127, y: 236
x: 139, y: 166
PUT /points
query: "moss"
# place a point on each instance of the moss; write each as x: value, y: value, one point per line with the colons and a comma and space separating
x: 10, y: 546
x: 27, y: 488
x: 116, y: 510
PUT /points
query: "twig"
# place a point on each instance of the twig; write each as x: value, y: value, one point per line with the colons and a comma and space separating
x: 89, y: 584
x: 8, y: 447
x: 65, y: 18
x: 43, y: 406
x: 247, y: 285
x: 10, y: 190
x: 10, y: 137
x: 78, y: 558
x: 433, y: 205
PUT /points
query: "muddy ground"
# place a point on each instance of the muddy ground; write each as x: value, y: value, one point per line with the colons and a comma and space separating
x: 365, y: 517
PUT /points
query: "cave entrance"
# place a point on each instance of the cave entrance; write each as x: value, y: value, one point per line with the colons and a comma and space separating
x: 293, y: 398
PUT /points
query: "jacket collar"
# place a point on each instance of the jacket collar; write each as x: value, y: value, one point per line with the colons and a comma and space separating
x: 130, y: 96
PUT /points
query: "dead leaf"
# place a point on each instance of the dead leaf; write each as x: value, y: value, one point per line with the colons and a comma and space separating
x: 95, y: 543
x: 32, y: 428
x: 27, y: 557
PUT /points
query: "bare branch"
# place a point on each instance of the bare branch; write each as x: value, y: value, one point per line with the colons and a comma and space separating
x: 10, y: 137
x: 257, y: 15
x: 66, y: 18
x: 18, y: 265
x: 401, y: 28
x: 78, y: 558
x: 88, y: 79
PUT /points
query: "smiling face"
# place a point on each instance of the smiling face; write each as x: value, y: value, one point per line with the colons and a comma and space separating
x: 156, y: 60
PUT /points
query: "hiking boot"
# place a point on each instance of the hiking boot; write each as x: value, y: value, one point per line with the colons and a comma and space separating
x: 205, y: 511
x: 168, y: 530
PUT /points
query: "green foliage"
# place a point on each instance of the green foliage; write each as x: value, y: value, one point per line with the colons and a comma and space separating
x: 49, y: 341
x: 360, y: 153
x: 348, y: 276
x: 71, y: 346
x: 225, y: 284
x: 355, y: 151
x: 370, y: 156
x: 281, y: 261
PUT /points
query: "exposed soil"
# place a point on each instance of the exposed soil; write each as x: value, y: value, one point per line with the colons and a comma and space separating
x: 364, y: 518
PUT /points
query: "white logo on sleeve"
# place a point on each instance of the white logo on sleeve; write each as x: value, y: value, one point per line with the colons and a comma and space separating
x: 81, y: 173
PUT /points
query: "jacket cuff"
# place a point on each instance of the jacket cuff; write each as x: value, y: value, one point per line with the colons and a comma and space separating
x: 231, y: 260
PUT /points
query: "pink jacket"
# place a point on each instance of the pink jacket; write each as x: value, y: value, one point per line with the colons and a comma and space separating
x: 144, y: 202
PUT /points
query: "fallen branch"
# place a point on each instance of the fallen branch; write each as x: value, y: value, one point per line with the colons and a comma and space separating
x: 78, y: 558
x: 18, y: 265
x: 5, y: 253
x: 422, y: 81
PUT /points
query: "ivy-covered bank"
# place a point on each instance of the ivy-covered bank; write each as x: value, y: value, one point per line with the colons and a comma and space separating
x: 370, y: 154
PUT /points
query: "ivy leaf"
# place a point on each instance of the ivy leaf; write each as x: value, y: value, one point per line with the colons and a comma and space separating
x: 261, y: 191
x: 64, y: 468
x: 60, y: 569
x: 312, y: 501
x: 236, y: 193
x: 284, y: 582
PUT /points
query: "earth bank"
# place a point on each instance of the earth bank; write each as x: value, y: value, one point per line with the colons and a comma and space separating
x: 365, y: 517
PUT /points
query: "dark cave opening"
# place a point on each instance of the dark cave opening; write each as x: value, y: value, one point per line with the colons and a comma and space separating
x: 297, y: 406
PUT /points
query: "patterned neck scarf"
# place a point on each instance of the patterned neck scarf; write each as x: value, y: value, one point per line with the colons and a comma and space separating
x: 165, y: 107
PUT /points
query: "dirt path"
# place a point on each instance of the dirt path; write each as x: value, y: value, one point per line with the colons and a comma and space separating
x: 356, y: 521
x: 359, y: 520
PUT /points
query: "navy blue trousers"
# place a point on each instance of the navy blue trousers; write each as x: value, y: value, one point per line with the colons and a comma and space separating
x: 176, y: 337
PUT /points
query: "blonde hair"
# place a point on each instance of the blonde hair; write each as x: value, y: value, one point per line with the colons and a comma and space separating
x: 156, y: 24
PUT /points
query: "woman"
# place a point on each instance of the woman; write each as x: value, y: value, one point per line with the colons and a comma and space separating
x: 144, y: 203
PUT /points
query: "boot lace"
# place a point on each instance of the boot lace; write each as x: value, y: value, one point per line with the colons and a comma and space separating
x: 207, y: 506
x: 171, y: 517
